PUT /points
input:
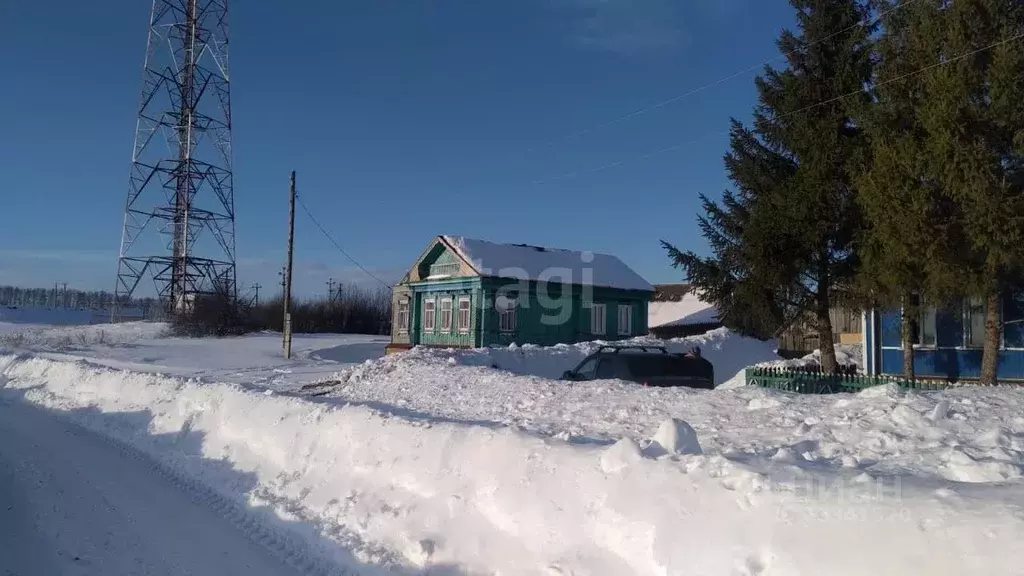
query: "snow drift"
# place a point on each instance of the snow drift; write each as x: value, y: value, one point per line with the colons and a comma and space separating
x: 729, y: 352
x: 409, y: 495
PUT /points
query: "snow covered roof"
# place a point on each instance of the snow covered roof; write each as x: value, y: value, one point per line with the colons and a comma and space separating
x: 524, y: 262
x: 684, y: 310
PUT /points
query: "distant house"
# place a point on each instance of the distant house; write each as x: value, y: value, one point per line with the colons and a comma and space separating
x: 948, y: 341
x: 676, y: 310
x: 463, y: 292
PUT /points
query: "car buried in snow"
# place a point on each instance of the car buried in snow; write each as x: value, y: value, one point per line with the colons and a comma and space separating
x: 646, y: 365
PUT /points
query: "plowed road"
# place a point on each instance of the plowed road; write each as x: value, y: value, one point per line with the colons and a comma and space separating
x: 74, y: 504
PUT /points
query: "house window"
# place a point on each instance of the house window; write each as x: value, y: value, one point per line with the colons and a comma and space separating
x: 429, y: 315
x: 446, y: 315
x: 464, y: 309
x: 625, y: 319
x: 922, y: 327
x: 597, y: 318
x: 402, y: 317
x: 444, y: 269
x: 923, y: 332
x: 926, y: 327
x: 974, y: 323
x: 1013, y: 319
x: 507, y: 317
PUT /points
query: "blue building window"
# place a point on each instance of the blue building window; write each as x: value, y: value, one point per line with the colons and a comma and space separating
x: 1013, y: 320
x: 974, y: 323
x: 923, y: 328
x: 927, y: 332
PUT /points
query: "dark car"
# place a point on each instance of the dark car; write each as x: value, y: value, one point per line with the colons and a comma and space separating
x: 647, y: 365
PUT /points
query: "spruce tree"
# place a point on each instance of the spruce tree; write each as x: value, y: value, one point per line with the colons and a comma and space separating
x: 907, y: 248
x: 973, y: 111
x: 795, y: 170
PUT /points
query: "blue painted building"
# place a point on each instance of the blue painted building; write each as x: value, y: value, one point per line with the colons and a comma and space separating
x: 948, y: 341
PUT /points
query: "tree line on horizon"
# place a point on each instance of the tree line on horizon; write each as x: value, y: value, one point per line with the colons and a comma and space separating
x: 349, y: 310
x: 70, y: 298
x: 883, y: 167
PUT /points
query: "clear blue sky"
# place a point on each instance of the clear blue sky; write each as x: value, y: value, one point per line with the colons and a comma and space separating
x: 403, y: 119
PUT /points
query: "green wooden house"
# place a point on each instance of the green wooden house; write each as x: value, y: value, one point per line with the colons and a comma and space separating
x: 463, y: 292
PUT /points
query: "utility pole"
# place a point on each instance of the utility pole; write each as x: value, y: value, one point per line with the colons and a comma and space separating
x: 257, y: 287
x: 288, y: 271
x: 330, y: 290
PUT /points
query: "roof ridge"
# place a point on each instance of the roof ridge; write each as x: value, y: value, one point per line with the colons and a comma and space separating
x: 451, y: 237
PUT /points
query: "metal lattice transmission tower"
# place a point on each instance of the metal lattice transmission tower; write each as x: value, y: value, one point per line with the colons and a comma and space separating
x: 179, y: 223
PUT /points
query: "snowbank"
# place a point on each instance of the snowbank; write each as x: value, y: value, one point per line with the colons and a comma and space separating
x: 846, y: 355
x: 411, y: 495
x: 887, y: 431
x: 728, y: 351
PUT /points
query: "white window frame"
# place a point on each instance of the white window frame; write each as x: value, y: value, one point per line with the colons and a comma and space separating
x: 927, y: 316
x: 507, y: 317
x: 922, y: 320
x: 625, y: 324
x: 403, y: 317
x: 966, y: 318
x: 429, y: 304
x: 464, y: 326
x: 598, y: 316
x: 446, y: 314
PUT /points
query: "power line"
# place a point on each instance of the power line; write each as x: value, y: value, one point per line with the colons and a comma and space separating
x: 336, y: 245
x: 674, y: 147
x: 674, y: 99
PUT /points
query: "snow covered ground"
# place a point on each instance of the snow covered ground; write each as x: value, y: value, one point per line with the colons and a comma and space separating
x: 72, y: 502
x: 764, y: 483
x: 253, y: 360
x: 435, y: 462
x: 880, y: 429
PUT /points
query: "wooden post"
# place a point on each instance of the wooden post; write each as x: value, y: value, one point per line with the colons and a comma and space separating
x: 287, y: 324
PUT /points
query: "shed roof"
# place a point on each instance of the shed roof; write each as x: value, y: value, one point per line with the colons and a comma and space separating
x: 679, y: 305
x: 525, y: 262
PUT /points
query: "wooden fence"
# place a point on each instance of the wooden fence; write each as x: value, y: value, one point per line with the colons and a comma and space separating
x: 814, y: 381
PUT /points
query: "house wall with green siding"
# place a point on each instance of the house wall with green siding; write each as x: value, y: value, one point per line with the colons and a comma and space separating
x: 451, y: 290
x: 554, y: 314
x: 546, y: 314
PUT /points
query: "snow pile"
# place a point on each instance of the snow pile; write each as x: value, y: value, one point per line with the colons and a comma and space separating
x: 71, y: 337
x: 846, y: 355
x: 430, y: 495
x: 727, y: 351
x: 880, y: 429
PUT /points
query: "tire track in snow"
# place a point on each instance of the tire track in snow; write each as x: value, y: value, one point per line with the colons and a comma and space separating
x: 285, y: 547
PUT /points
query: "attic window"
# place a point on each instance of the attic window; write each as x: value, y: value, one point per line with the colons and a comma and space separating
x: 444, y: 269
